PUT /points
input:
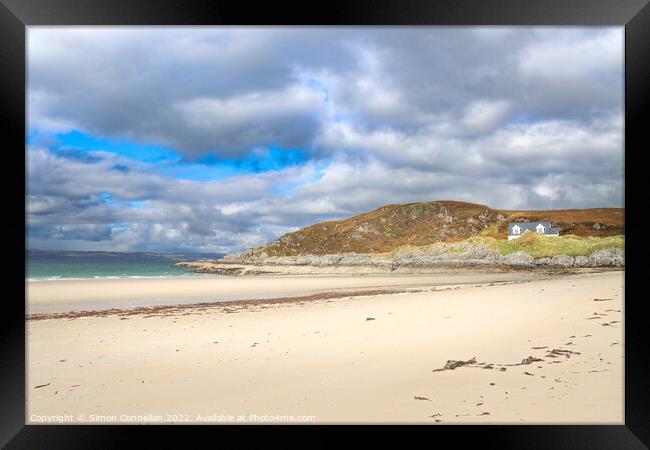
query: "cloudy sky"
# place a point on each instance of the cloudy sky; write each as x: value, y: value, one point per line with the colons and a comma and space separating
x: 219, y: 139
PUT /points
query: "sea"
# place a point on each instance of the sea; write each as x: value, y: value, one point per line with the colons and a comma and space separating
x: 65, y: 265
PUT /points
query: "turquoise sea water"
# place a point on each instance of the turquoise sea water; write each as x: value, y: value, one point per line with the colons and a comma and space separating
x: 53, y: 265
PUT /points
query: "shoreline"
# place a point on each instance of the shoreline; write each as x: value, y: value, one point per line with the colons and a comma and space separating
x: 103, y: 294
x: 190, y: 274
x: 231, y: 306
x: 234, y: 305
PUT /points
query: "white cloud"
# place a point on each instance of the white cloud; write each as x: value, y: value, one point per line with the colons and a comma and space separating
x: 580, y: 53
x: 283, y: 118
x: 482, y: 116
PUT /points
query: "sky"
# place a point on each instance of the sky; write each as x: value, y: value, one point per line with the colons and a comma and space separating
x: 217, y: 139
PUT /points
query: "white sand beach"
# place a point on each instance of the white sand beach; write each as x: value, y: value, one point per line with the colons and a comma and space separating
x: 360, y: 359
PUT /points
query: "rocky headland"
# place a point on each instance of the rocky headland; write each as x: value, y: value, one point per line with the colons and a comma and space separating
x: 434, y: 236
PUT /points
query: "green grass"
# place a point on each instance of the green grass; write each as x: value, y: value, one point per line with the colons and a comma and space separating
x: 539, y: 246
x: 456, y: 247
x: 490, y: 230
x: 534, y: 244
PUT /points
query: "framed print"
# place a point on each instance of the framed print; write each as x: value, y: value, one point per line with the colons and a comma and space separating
x: 366, y: 214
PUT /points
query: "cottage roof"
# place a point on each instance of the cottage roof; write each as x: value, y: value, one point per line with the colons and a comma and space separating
x: 532, y: 226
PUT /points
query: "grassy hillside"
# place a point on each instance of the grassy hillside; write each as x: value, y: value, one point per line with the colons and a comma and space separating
x: 417, y: 224
x: 597, y: 222
x: 539, y: 246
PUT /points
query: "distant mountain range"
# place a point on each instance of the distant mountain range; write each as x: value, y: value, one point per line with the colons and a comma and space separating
x: 122, y: 256
x: 390, y: 227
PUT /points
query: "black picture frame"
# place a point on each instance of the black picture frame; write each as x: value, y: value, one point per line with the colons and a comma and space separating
x: 16, y: 15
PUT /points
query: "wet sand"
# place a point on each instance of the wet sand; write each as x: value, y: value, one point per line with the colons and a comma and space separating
x: 80, y: 295
x: 361, y: 359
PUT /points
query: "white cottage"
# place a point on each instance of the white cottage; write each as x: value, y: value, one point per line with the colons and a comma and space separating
x: 517, y: 229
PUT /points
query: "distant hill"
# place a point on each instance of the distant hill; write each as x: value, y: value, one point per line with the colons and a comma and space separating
x: 122, y: 256
x: 393, y: 226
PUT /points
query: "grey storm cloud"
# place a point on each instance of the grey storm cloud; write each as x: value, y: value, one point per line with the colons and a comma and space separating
x: 225, y: 91
x: 510, y: 117
x: 196, y: 91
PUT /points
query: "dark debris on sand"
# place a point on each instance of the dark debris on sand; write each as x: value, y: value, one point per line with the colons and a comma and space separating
x: 453, y: 364
x: 529, y: 360
x: 231, y: 306
x: 559, y: 352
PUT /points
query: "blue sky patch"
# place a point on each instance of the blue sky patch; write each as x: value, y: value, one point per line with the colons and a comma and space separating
x: 84, y: 147
x: 83, y: 142
x: 256, y: 161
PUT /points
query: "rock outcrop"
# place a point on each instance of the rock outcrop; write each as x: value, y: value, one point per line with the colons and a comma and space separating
x: 477, y: 256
